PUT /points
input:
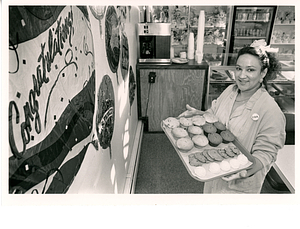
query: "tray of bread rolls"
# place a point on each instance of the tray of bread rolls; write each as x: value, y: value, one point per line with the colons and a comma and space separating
x: 206, y: 147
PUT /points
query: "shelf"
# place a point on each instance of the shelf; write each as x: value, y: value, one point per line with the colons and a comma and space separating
x: 288, y: 82
x: 208, y: 26
x: 221, y: 81
x: 253, y: 8
x: 245, y: 38
x: 283, y: 82
x: 282, y: 43
x: 288, y: 24
x: 252, y: 21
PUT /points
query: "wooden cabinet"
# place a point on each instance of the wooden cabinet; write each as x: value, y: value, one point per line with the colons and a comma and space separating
x: 169, y: 94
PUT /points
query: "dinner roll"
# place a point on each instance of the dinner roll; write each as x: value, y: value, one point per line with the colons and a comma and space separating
x: 171, y: 122
x: 184, y: 144
x: 179, y: 132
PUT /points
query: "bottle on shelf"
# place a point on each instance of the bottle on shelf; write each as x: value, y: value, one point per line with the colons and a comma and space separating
x: 243, y: 31
x: 267, y: 15
x: 258, y: 33
x: 254, y: 17
x: 250, y: 16
x: 247, y: 32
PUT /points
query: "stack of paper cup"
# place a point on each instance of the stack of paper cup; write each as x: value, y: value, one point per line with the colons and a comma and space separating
x: 200, y: 36
x: 191, y: 46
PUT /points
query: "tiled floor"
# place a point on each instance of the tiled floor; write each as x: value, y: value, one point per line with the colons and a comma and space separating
x: 161, y: 171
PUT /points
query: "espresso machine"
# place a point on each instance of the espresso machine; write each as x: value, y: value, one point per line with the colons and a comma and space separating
x: 154, y: 42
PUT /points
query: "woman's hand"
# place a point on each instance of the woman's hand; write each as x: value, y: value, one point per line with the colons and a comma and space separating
x: 245, y: 173
x: 190, y: 111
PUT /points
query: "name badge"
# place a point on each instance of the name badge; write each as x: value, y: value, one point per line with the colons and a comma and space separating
x: 255, y: 117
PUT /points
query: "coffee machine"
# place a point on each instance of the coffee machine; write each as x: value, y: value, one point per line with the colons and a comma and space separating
x: 154, y: 42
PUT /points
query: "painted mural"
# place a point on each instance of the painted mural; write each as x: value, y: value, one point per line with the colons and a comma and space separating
x: 105, y: 117
x: 51, y: 94
x: 66, y: 112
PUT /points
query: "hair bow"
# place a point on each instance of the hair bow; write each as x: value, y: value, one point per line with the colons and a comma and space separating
x: 261, y: 48
x: 262, y: 45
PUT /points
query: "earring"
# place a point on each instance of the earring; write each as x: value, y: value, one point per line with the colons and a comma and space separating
x: 261, y: 80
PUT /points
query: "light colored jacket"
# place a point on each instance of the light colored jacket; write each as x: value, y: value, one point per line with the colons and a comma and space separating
x: 259, y: 125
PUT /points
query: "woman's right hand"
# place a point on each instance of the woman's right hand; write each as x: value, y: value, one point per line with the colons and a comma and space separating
x: 191, y: 111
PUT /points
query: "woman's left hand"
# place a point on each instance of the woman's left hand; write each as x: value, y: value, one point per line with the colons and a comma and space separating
x: 245, y: 173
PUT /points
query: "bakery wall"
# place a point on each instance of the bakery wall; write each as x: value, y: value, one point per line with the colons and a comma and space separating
x: 105, y: 170
x: 72, y: 107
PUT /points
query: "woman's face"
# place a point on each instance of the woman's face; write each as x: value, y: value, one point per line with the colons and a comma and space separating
x: 248, y: 74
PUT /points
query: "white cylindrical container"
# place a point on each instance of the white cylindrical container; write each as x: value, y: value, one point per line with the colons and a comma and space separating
x: 191, y: 46
x: 199, y: 57
x: 148, y: 14
x: 183, y: 55
x: 200, y: 36
x: 172, y: 52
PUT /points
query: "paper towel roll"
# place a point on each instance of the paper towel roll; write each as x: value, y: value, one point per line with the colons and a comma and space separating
x: 191, y: 46
x: 200, y: 36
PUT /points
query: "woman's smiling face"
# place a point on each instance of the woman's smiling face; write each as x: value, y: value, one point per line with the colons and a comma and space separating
x: 248, y: 72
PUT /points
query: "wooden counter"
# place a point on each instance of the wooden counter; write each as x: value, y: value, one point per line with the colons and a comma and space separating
x: 192, y: 64
x: 175, y: 86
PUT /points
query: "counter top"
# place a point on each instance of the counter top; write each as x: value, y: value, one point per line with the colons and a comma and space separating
x: 191, y: 64
x: 285, y: 166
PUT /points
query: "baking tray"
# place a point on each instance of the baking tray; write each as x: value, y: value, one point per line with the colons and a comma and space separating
x: 184, y: 156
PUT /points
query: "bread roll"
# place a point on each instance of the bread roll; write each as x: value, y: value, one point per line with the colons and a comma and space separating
x: 194, y: 130
x: 214, y: 139
x: 185, y: 122
x: 200, y: 141
x: 179, y: 133
x: 184, y: 144
x: 209, y: 128
x: 171, y: 122
x: 198, y: 120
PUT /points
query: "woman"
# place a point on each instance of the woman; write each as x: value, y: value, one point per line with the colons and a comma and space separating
x: 252, y: 115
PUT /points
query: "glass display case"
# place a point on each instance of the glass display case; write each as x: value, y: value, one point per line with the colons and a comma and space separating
x: 219, y: 78
x: 184, y: 19
x: 250, y: 23
x: 283, y: 34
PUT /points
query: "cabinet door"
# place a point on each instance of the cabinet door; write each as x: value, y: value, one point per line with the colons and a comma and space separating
x: 168, y: 96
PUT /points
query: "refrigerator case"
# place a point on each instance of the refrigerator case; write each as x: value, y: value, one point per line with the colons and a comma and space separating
x: 216, y: 31
x: 250, y: 23
x: 184, y: 19
x: 283, y: 35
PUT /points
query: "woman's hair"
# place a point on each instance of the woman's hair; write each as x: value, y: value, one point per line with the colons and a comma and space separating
x: 272, y: 64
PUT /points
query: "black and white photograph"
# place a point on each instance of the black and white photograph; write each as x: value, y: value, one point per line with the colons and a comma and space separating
x: 173, y: 103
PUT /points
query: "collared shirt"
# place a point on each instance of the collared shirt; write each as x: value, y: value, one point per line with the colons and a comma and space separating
x: 259, y: 125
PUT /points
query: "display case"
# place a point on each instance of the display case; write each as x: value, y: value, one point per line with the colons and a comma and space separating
x: 283, y: 34
x: 250, y: 23
x: 282, y: 89
x: 219, y: 78
x: 184, y: 19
